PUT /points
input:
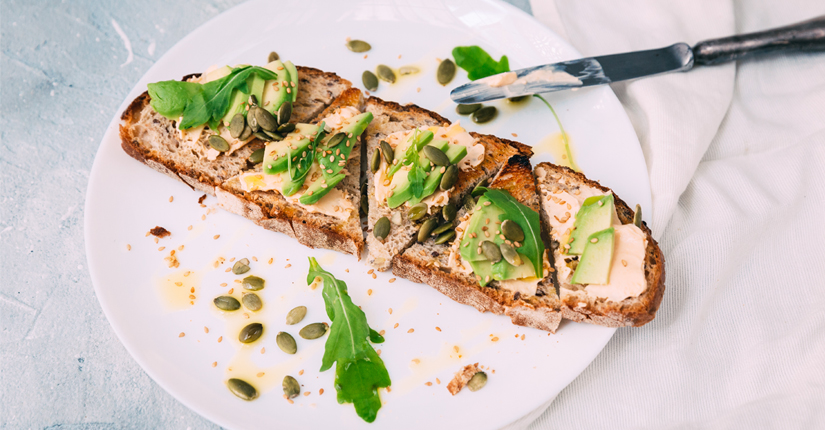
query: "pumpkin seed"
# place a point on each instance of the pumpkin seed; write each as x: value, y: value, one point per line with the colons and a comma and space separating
x: 441, y: 229
x: 313, y: 331
x: 426, y: 229
x: 273, y: 56
x: 265, y: 119
x: 477, y: 382
x: 242, y: 389
x: 247, y: 131
x: 637, y: 216
x: 219, y: 143
x: 382, y: 228
x: 375, y: 162
x: 446, y: 237
x: 358, y: 46
x: 251, y: 333
x: 437, y: 156
x: 512, y: 231
x: 449, y: 178
x: 417, y: 212
x: 252, y: 100
x: 257, y: 156
x: 491, y: 251
x: 261, y: 135
x: 286, y: 128
x: 485, y: 114
x: 226, y: 303
x: 408, y: 70
x: 369, y: 80
x: 469, y: 203
x: 518, y: 99
x: 274, y: 136
x: 241, y: 266
x: 335, y: 140
x: 449, y: 212
x: 286, y: 342
x: 284, y: 112
x: 237, y: 125
x: 251, y: 120
x: 385, y: 73
x: 365, y: 206
x: 253, y: 283
x: 478, y: 191
x: 291, y: 387
x: 252, y: 302
x: 509, y: 253
x: 445, y: 72
x: 296, y: 315
x: 387, y: 151
x: 467, y: 109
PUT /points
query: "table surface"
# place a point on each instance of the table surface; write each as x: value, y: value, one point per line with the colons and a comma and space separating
x: 65, y: 67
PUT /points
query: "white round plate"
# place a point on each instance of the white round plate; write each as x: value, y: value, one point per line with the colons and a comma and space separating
x: 148, y: 312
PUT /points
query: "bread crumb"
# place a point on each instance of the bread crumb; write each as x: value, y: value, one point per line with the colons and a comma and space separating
x: 159, y: 232
x: 182, y: 334
x: 201, y: 199
x: 462, y: 377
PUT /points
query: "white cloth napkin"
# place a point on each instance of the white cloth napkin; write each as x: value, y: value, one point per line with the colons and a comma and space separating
x: 736, y: 157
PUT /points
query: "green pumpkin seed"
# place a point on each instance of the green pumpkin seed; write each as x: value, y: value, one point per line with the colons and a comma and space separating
x: 445, y: 237
x: 252, y: 302
x: 227, y: 303
x: 518, y: 99
x: 445, y: 72
x: 237, y: 125
x: 382, y: 228
x: 241, y: 266
x: 512, y: 231
x: 385, y: 73
x: 387, y: 151
x: 252, y: 121
x: 242, y: 389
x: 418, y: 211
x: 449, y: 178
x: 467, y: 109
x: 291, y: 387
x: 478, y: 191
x: 477, y: 382
x: 469, y: 203
x: 265, y: 119
x: 426, y: 229
x: 286, y: 342
x: 441, y: 229
x: 257, y: 156
x: 296, y: 315
x: 247, y: 131
x: 375, y: 162
x: 449, y: 212
x: 335, y: 140
x: 273, y: 56
x: 274, y: 136
x: 219, y: 143
x: 491, y: 251
x: 509, y: 253
x: 408, y: 70
x: 313, y: 331
x: 284, y: 112
x: 251, y: 333
x: 485, y: 114
x: 286, y: 128
x: 252, y: 100
x: 365, y: 206
x: 369, y: 80
x: 261, y: 135
x: 437, y: 156
x: 637, y: 216
x: 253, y: 283
x: 358, y: 46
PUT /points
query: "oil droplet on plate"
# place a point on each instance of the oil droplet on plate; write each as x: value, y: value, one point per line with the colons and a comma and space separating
x: 558, y: 145
x: 175, y: 289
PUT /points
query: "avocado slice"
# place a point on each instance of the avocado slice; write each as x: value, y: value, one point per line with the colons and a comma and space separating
x: 456, y: 153
x: 442, y: 145
x: 274, y: 93
x: 430, y: 185
x: 594, y: 267
x: 293, y: 78
x: 320, y: 188
x: 596, y: 214
x: 237, y: 105
x: 216, y: 74
x: 420, y: 140
x: 275, y: 154
x: 340, y: 152
x: 290, y: 187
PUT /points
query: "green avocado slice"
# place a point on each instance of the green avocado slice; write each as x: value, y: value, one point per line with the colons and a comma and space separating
x: 275, y: 154
x: 293, y: 78
x: 239, y: 98
x: 594, y: 267
x: 596, y: 214
x: 274, y: 93
x: 320, y: 188
x: 333, y: 158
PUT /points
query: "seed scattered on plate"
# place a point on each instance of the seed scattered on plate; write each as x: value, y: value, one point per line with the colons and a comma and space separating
x: 216, y: 236
x: 271, y: 260
x: 392, y: 280
x: 374, y: 276
x: 410, y: 330
x: 220, y: 339
x: 128, y: 247
x: 171, y: 198
x: 287, y: 266
x: 263, y: 350
x: 395, y: 326
x: 161, y: 248
x: 206, y: 329
x: 495, y: 339
x: 182, y: 334
x: 369, y: 292
x: 300, y: 372
x: 390, y: 311
x: 214, y: 364
x: 428, y: 383
x: 438, y: 328
x: 437, y: 381
x: 189, y: 228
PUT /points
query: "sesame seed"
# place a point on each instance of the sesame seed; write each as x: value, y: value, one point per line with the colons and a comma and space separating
x: 321, y: 391
x: 189, y: 228
x: 192, y: 297
x: 300, y: 372
x: 455, y: 348
x: 495, y: 339
x: 382, y: 332
x: 128, y: 247
x: 391, y: 280
x: 178, y: 283
x: 220, y: 339
x: 428, y: 383
x: 369, y: 272
x: 287, y: 266
x: 263, y: 350
x: 231, y: 290
x: 624, y: 263
x: 306, y: 393
x: 594, y: 240
x: 437, y: 381
x: 171, y: 198
x: 182, y: 334
x: 395, y: 326
x: 369, y: 292
x: 206, y: 329
x: 374, y: 276
x: 379, y: 354
x: 438, y: 328
x: 410, y: 330
x: 192, y: 290
x: 390, y: 311
x: 227, y: 269
x: 161, y: 248
x: 514, y: 134
x: 522, y: 337
x: 270, y: 261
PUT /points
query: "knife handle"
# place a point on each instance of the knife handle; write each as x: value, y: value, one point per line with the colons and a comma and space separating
x: 803, y: 36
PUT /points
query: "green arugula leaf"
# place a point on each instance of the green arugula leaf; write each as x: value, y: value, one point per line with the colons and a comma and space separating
x: 359, y: 371
x: 169, y: 98
x: 416, y: 177
x: 528, y: 220
x: 478, y: 63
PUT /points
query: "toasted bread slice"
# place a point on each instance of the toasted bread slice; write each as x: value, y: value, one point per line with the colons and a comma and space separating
x: 153, y: 139
x: 577, y: 303
x: 429, y: 263
x: 390, y: 117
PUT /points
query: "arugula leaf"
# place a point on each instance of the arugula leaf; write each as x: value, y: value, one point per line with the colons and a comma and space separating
x: 478, y: 63
x: 416, y: 178
x: 528, y: 220
x: 417, y: 141
x: 169, y: 98
x: 359, y: 371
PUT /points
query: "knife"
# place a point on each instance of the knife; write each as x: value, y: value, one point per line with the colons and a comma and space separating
x: 585, y: 72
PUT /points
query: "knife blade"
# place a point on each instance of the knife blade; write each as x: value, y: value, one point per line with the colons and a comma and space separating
x: 579, y: 73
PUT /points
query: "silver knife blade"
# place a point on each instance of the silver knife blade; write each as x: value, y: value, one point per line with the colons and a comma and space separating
x: 579, y: 73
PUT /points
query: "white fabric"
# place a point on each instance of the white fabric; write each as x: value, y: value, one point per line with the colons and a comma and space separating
x: 736, y: 156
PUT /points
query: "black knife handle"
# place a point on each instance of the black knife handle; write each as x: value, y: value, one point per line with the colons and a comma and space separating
x: 803, y: 36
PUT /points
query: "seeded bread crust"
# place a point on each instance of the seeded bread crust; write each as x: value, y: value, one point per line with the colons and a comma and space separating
x: 579, y: 306
x: 391, y: 117
x: 429, y: 263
